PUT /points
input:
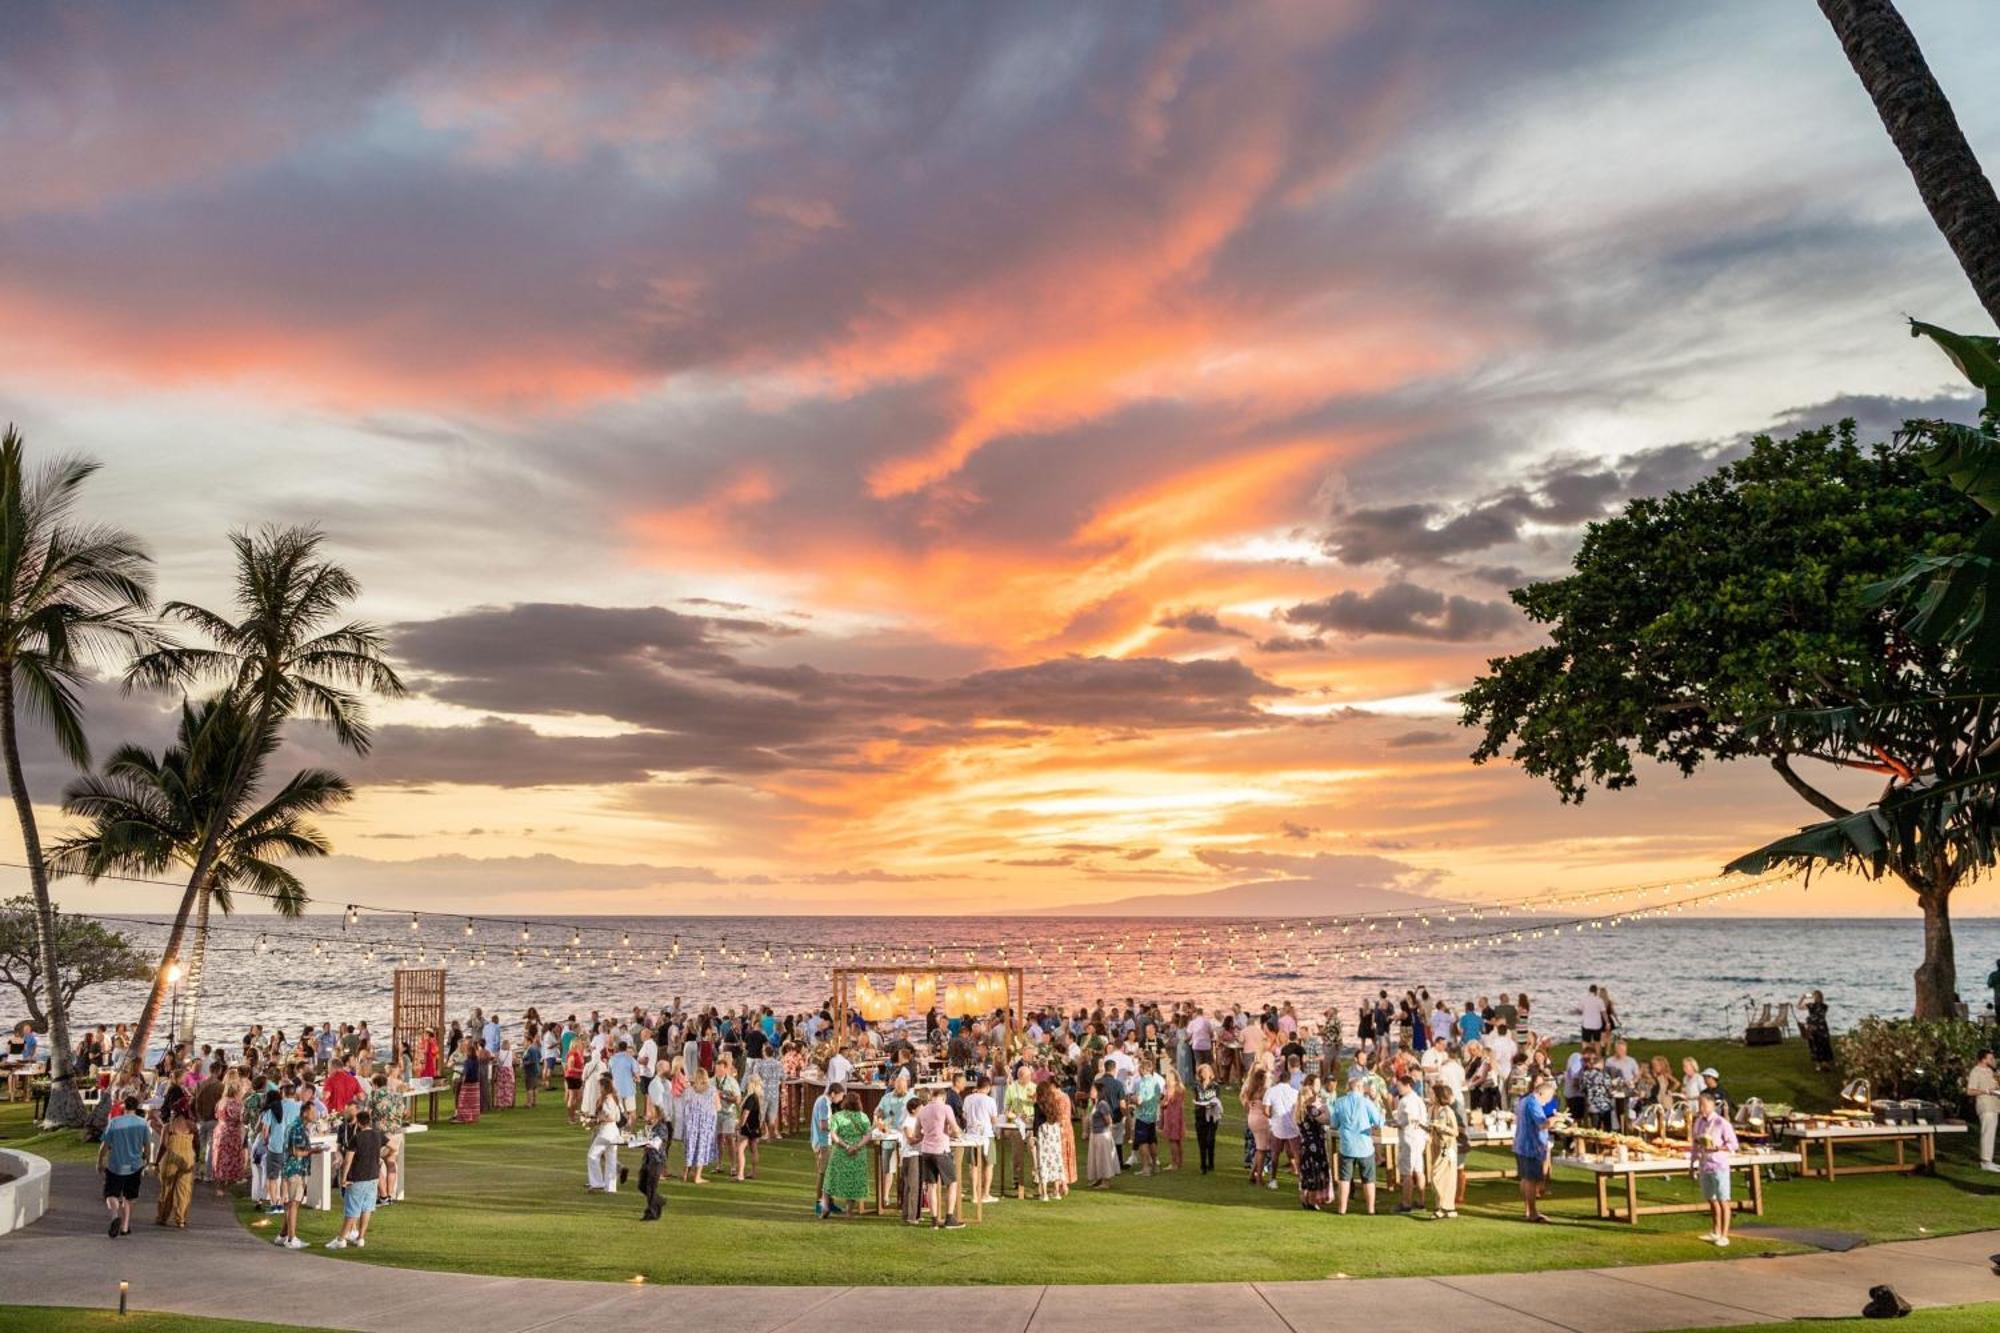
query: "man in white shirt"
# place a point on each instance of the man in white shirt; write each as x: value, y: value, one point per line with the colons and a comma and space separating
x: 1500, y: 1044
x: 982, y: 1113
x: 1201, y: 1037
x: 839, y: 1069
x: 1592, y: 1010
x: 649, y: 1058
x: 1281, y: 1103
x: 1983, y: 1086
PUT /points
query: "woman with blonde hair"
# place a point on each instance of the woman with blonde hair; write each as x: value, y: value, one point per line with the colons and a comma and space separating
x: 1173, y: 1115
x: 699, y: 1107
x: 1258, y: 1123
x: 750, y: 1125
x: 729, y: 1102
x: 1441, y: 1153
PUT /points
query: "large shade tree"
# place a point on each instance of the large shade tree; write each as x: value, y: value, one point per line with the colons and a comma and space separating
x: 284, y: 653
x: 88, y: 954
x: 148, y: 813
x: 70, y: 593
x: 1696, y: 623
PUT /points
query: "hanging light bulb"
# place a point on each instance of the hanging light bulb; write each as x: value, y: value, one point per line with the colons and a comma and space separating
x: 524, y: 932
x: 626, y: 939
x: 353, y: 916
x: 263, y: 943
x: 468, y: 927
x: 413, y: 921
x: 575, y: 937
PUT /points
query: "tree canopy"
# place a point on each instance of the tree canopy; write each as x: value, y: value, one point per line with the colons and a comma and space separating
x: 1741, y: 618
x: 90, y: 955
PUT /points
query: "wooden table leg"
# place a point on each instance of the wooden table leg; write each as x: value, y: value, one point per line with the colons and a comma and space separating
x: 1927, y: 1150
x: 1632, y: 1198
x: 1756, y: 1190
x: 958, y: 1184
x: 1829, y: 1158
x: 1900, y: 1162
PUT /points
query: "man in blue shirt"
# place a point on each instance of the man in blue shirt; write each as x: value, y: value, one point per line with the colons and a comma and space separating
x: 1531, y: 1143
x: 121, y: 1155
x: 1471, y: 1027
x: 625, y: 1076
x: 820, y: 1132
x: 1355, y: 1120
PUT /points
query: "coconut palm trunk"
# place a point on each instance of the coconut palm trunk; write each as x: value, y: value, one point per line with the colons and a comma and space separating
x: 211, y: 846
x: 65, y: 1106
x: 1919, y: 118
x: 197, y: 961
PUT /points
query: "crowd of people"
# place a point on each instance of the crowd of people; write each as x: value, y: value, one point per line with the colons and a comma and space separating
x: 1082, y: 1096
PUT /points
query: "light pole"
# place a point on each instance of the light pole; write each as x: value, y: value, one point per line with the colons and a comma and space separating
x: 174, y: 1008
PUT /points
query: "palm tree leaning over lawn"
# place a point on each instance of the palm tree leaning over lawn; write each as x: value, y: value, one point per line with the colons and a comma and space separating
x: 147, y: 813
x: 68, y: 592
x: 282, y: 657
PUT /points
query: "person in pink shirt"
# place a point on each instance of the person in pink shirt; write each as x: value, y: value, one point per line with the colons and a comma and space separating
x: 936, y: 1128
x: 1711, y: 1139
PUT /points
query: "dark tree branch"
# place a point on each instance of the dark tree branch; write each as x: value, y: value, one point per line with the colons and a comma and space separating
x: 1808, y: 793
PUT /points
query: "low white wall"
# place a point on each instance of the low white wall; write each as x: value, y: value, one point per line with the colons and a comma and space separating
x: 25, y: 1198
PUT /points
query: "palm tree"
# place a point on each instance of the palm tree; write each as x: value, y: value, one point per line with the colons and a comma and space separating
x: 1919, y: 119
x: 147, y: 813
x: 283, y: 656
x: 69, y: 592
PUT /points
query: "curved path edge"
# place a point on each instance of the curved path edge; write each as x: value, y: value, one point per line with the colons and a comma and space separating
x: 216, y: 1268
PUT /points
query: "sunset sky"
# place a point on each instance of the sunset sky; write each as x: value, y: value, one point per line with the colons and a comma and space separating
x: 952, y: 456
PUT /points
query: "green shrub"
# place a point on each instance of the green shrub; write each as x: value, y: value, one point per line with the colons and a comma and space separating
x: 1912, y: 1057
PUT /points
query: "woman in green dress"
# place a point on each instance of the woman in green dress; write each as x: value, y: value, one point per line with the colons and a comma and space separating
x: 847, y: 1166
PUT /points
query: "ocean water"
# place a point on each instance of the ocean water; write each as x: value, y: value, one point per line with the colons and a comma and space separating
x: 1672, y: 977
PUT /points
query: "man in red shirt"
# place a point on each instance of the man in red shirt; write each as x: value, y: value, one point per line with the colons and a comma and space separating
x: 342, y: 1086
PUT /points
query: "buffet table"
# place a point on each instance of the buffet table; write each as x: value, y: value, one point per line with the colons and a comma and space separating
x: 1822, y: 1138
x: 21, y: 1078
x: 1604, y: 1168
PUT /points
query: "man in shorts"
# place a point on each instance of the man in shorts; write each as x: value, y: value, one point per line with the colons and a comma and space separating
x: 121, y: 1155
x: 295, y: 1156
x: 360, y: 1176
x: 1356, y: 1117
x: 1711, y: 1140
x: 1531, y: 1144
x: 936, y: 1127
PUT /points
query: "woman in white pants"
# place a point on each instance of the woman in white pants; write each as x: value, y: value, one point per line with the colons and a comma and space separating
x: 603, y: 1159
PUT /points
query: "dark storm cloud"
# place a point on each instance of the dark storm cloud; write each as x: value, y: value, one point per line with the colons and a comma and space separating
x: 1406, y: 610
x: 1198, y: 621
x: 694, y: 706
x: 1410, y: 740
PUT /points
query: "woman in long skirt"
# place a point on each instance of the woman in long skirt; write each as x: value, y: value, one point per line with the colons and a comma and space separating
x: 503, y: 1076
x: 698, y: 1110
x: 227, y: 1162
x: 468, y: 1086
x: 1066, y: 1111
x: 1818, y: 1034
x: 1315, y: 1173
x: 1049, y: 1124
x: 1102, y: 1166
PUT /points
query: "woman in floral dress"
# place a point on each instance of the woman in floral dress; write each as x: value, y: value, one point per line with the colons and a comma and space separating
x: 699, y: 1105
x: 1050, y: 1123
x: 227, y: 1161
x: 729, y: 1105
x: 1315, y: 1169
x: 847, y: 1166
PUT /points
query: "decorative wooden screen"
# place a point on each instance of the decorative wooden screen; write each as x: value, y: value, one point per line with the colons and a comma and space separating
x: 419, y: 1003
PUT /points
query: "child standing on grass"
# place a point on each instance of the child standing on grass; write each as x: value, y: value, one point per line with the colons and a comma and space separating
x: 1710, y: 1141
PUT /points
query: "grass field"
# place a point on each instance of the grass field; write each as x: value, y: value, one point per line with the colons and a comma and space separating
x: 507, y: 1197
x: 57, y: 1319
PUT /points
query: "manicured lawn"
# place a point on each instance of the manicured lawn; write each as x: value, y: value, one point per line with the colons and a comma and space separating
x: 17, y: 1130
x: 507, y: 1197
x: 1944, y: 1319
x: 57, y: 1319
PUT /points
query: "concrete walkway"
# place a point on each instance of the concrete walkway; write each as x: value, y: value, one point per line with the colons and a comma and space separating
x: 217, y: 1268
